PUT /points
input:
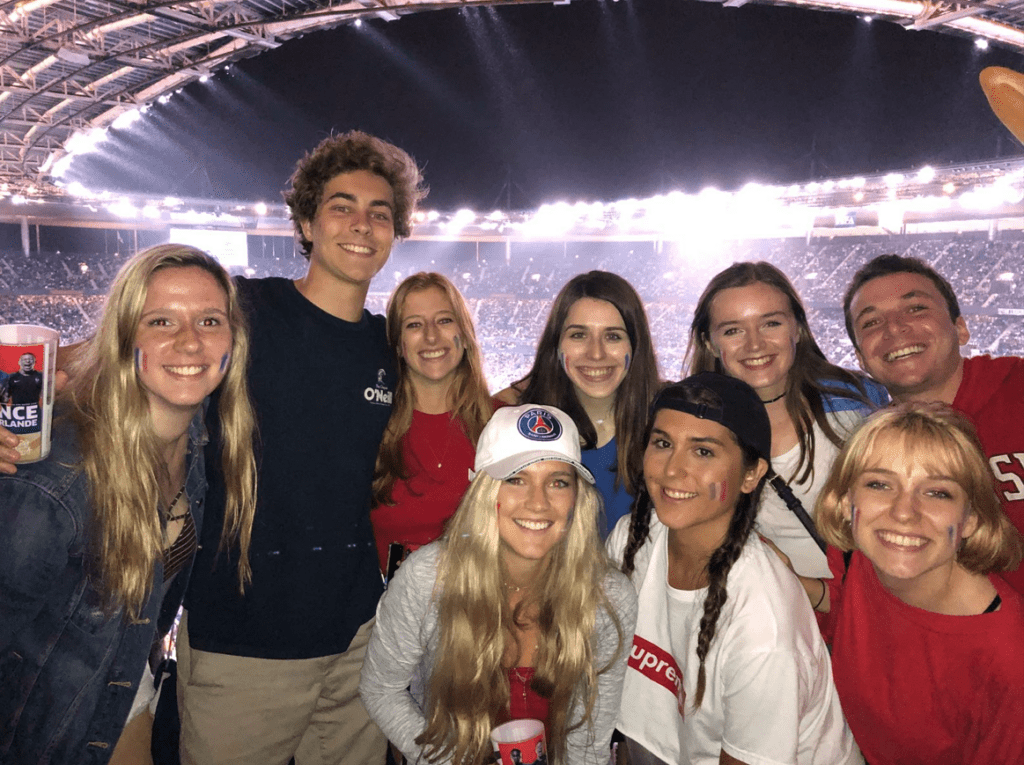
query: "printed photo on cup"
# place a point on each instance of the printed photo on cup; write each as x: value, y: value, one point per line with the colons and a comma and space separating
x: 520, y: 742
x: 27, y: 364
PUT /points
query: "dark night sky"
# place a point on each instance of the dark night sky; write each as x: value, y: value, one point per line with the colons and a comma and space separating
x: 595, y: 100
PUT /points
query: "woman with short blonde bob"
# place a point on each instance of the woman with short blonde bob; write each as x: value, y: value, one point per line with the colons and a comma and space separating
x: 97, y: 541
x: 926, y: 639
x: 515, y: 613
x: 440, y: 406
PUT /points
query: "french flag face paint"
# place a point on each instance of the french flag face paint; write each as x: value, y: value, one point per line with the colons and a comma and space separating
x: 626, y: 361
x: 224, y: 361
x: 956, y: 535
x: 140, y: 360
x: 853, y: 517
x: 719, y: 491
x: 561, y: 360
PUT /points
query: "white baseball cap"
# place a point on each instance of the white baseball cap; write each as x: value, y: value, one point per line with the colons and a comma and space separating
x: 519, y: 436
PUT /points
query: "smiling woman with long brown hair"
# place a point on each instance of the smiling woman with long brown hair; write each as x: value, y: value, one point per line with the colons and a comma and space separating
x: 441, y: 405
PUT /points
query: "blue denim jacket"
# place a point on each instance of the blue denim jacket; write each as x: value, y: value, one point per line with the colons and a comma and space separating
x: 68, y: 675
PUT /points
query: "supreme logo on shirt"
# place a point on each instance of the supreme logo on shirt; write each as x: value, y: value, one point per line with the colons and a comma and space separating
x: 658, y: 665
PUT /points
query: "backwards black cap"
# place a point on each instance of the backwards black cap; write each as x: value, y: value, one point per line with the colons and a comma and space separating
x: 740, y: 409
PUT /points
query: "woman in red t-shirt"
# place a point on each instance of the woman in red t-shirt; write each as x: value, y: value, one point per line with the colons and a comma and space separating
x: 926, y: 639
x: 441, y: 405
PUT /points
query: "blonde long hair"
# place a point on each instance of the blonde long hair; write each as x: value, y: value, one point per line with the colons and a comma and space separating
x: 469, y: 401
x: 120, y: 454
x: 469, y: 690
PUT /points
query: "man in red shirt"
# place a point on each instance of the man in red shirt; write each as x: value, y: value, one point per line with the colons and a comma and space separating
x: 907, y: 330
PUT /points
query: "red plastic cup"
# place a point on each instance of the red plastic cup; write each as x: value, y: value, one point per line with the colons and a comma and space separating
x: 520, y: 742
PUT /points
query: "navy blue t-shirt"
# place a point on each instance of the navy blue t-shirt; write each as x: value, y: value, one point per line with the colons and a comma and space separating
x: 322, y: 390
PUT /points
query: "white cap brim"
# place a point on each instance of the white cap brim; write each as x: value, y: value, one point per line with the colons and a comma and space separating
x: 504, y: 469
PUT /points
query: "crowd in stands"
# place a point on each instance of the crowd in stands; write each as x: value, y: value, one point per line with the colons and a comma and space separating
x: 509, y: 290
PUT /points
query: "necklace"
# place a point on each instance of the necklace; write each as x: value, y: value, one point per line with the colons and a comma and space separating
x: 447, y: 444
x: 773, y: 400
x: 523, y: 682
x: 170, y: 507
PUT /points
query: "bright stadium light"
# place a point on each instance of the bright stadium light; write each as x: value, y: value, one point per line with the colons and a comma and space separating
x: 260, y: 208
x: 126, y: 119
x: 926, y: 174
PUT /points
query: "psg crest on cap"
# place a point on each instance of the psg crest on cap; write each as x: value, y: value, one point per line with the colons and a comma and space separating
x: 539, y: 425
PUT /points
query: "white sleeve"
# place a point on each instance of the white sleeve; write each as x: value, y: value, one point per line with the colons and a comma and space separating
x: 397, y: 647
x: 761, y: 706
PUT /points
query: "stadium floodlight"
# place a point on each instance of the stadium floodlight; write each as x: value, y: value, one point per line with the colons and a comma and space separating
x: 551, y: 220
x: 926, y: 174
x: 460, y: 220
x: 982, y: 198
x: 61, y: 166
x: 948, y: 187
x: 260, y: 208
x: 125, y: 119
x: 894, y: 179
x: 981, y: 43
x: 122, y: 208
x: 85, y: 142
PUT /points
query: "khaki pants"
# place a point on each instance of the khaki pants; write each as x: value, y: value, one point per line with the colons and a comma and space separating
x: 238, y: 710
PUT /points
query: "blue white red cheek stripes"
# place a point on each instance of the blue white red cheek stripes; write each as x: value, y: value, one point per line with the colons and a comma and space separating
x: 719, y: 490
x: 561, y: 360
x: 140, y: 360
x: 626, y: 362
x: 224, y: 361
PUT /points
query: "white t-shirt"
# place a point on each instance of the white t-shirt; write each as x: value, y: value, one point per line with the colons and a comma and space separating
x: 769, y: 697
x: 778, y: 523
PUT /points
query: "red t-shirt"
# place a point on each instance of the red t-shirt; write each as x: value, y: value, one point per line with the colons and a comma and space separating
x: 920, y: 688
x: 438, y: 458
x: 992, y: 395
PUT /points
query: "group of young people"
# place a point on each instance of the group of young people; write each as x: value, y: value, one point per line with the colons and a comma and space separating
x: 590, y: 547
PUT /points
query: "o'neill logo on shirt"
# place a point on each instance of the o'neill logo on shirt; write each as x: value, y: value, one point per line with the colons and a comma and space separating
x: 658, y: 665
x: 379, y: 393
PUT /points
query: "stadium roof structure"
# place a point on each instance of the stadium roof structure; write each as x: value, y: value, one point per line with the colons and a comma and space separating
x: 69, y: 67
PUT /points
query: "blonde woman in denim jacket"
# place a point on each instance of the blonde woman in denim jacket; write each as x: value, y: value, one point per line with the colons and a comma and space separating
x: 96, y: 542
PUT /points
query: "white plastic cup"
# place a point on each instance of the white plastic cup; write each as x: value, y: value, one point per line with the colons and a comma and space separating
x: 28, y: 361
x: 520, y: 742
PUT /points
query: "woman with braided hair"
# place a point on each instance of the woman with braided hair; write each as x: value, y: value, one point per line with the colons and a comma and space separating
x: 728, y: 665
